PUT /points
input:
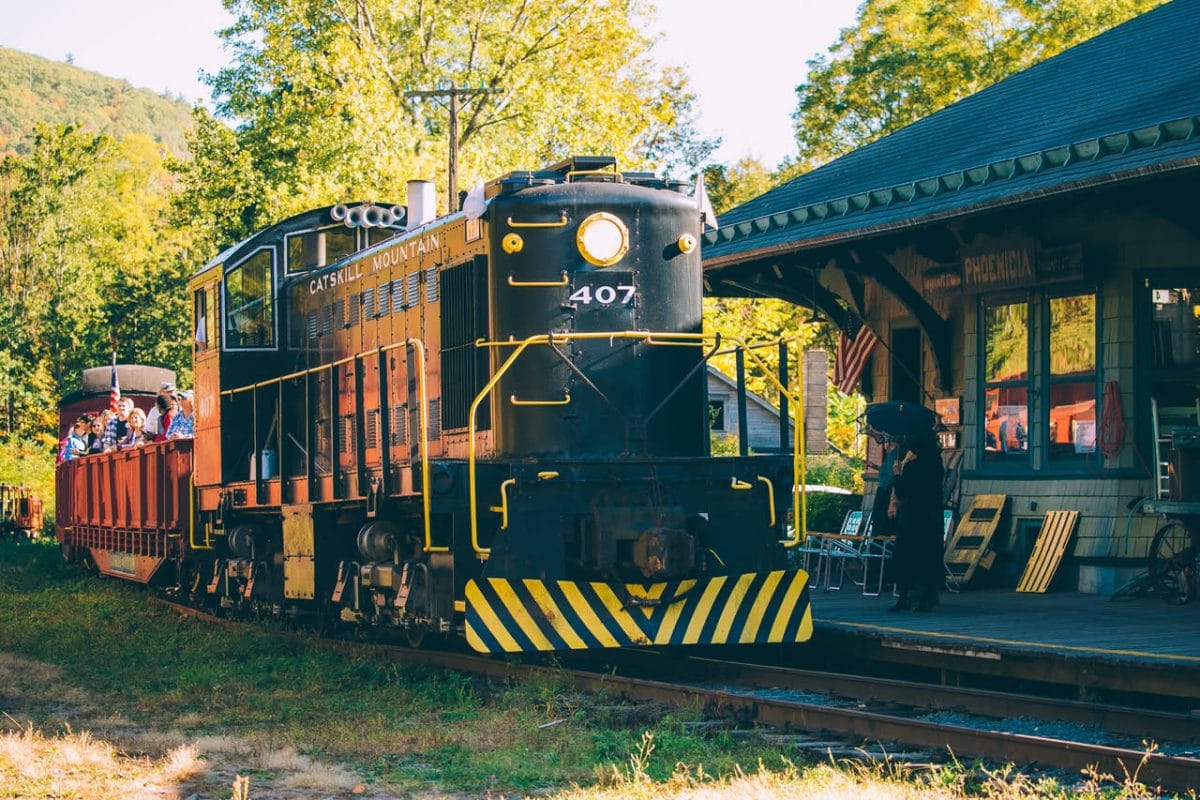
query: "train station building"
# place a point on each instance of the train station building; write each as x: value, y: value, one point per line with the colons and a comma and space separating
x: 1029, y: 259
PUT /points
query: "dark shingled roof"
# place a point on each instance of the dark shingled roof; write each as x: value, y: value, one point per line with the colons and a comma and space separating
x: 1115, y: 106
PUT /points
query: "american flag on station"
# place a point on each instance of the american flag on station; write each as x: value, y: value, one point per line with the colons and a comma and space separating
x: 114, y: 392
x: 855, y: 344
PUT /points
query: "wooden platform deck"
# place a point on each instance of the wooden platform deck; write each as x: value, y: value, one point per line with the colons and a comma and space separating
x: 1089, y: 644
x: 1087, y: 626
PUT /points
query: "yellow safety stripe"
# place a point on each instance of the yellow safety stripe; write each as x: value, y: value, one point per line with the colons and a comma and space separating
x: 765, y: 595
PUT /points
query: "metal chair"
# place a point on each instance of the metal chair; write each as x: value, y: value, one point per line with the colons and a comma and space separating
x: 874, y: 548
x: 844, y: 547
x: 811, y: 550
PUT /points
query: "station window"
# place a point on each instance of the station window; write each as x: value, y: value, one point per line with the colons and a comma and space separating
x: 249, y: 306
x: 1072, y: 375
x: 1006, y: 381
x: 1063, y: 379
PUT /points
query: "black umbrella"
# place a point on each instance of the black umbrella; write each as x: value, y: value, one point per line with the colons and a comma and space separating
x: 901, y: 418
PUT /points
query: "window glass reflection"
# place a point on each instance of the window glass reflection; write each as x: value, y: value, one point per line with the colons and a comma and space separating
x: 1073, y: 335
x: 1071, y: 423
x: 1072, y: 418
x: 1006, y: 342
x: 1006, y: 422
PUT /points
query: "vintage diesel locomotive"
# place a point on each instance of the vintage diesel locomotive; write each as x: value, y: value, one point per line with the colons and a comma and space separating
x: 491, y: 424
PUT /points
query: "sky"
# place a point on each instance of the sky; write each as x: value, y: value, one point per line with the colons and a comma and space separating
x: 744, y: 58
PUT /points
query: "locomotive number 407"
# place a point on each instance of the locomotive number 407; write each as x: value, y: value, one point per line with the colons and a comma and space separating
x: 604, y: 295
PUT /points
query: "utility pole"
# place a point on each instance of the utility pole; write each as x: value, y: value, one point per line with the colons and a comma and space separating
x: 452, y: 95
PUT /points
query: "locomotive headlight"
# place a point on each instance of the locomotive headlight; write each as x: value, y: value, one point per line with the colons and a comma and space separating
x: 603, y: 239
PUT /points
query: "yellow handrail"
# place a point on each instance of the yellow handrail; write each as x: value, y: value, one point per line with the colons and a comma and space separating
x: 512, y: 223
x: 502, y: 509
x: 770, y: 498
x: 617, y: 176
x: 484, y: 392
x: 512, y: 398
x: 739, y: 486
x: 547, y: 284
x: 419, y: 348
x: 192, y: 519
x: 799, y: 462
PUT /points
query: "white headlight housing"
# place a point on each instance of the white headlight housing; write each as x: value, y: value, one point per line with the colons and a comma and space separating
x: 603, y: 239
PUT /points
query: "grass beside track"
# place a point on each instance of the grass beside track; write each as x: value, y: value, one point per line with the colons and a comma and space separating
x: 408, y: 727
x: 180, y: 706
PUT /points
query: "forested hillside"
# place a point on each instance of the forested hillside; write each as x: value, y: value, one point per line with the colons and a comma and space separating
x: 34, y: 89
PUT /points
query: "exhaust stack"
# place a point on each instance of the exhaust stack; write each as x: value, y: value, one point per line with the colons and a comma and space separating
x: 422, y: 204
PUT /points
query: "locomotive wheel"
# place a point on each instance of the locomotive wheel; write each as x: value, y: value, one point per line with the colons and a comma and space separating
x: 1172, y: 565
x: 418, y: 638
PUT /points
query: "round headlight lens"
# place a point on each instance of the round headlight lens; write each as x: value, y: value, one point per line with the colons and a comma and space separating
x: 603, y: 239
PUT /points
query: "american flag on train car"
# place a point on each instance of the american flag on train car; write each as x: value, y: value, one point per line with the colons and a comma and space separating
x: 114, y: 392
x: 855, y: 344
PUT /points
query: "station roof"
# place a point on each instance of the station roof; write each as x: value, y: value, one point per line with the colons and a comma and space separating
x: 1121, y: 105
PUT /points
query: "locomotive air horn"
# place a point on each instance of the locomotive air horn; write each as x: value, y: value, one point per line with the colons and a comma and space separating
x: 338, y: 212
x: 356, y: 217
x: 372, y: 217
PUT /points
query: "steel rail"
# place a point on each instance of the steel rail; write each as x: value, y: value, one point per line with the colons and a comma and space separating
x: 1127, y: 720
x: 1151, y: 768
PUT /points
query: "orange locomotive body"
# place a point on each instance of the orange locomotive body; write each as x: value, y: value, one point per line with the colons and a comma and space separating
x: 20, y: 511
x: 492, y: 425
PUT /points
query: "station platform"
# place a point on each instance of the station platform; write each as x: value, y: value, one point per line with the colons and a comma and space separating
x: 1090, y: 645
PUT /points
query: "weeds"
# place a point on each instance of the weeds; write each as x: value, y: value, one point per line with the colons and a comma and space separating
x: 195, y: 702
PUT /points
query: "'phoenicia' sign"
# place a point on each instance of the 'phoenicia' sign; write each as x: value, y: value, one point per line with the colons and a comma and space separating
x: 1008, y: 265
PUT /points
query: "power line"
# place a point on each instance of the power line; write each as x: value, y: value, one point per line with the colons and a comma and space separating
x: 453, y: 95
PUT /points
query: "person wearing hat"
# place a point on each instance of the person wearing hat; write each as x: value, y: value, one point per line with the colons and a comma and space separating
x: 183, y: 425
x: 154, y: 423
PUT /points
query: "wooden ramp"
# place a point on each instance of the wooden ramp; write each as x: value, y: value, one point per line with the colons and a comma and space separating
x: 1052, y: 541
x: 971, y: 539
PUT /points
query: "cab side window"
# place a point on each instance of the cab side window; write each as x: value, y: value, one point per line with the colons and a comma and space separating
x: 205, y: 334
x: 249, y: 305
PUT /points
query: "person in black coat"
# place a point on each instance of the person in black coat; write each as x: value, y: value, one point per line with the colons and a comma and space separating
x: 917, y: 563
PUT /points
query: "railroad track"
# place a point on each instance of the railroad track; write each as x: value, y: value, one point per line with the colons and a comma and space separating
x: 862, y: 712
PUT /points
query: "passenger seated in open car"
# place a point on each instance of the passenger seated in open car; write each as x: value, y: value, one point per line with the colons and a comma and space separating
x: 183, y: 423
x: 136, y: 435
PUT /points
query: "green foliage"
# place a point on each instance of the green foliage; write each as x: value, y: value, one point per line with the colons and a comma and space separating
x: 835, y: 469
x: 30, y: 463
x: 36, y: 91
x: 825, y: 511
x: 319, y: 91
x: 220, y: 197
x: 731, y: 186
x: 89, y: 266
x: 906, y: 59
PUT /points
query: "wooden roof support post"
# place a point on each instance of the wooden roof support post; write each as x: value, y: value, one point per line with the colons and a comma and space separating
x: 871, y: 264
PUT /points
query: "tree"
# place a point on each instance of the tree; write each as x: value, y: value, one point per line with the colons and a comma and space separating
x: 85, y: 258
x: 731, y: 186
x: 319, y: 92
x: 906, y: 59
x: 220, y: 197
